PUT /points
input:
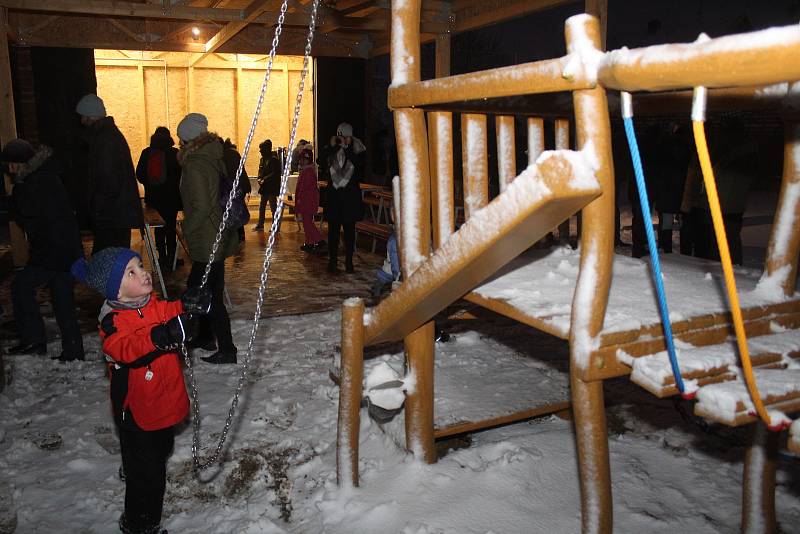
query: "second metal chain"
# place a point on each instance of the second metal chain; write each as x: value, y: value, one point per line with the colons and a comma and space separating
x: 198, y: 465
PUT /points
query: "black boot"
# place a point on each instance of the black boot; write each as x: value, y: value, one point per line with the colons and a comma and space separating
x: 348, y: 265
x: 220, y: 358
x: 39, y: 348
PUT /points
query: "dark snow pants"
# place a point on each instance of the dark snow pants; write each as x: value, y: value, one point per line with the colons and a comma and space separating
x: 144, y: 458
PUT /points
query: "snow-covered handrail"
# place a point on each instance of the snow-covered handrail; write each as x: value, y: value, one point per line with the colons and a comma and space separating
x: 756, y: 58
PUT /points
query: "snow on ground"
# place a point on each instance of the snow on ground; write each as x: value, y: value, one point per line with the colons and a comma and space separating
x: 279, y: 471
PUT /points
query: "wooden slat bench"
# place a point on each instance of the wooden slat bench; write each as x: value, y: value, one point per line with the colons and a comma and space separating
x: 374, y: 230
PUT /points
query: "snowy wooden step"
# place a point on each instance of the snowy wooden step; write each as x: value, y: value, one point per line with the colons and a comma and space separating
x: 537, y: 289
x: 713, y: 363
x: 729, y: 402
x: 545, y: 194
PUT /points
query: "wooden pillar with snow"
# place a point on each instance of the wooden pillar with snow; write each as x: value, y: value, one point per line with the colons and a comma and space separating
x: 593, y: 131
x: 784, y: 241
x: 415, y: 227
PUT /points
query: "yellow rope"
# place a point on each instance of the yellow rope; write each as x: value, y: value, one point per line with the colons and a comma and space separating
x: 727, y: 267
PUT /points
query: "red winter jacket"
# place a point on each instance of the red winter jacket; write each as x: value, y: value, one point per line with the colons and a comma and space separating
x: 137, y: 402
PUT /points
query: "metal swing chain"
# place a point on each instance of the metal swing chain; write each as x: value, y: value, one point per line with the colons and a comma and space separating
x: 268, y: 254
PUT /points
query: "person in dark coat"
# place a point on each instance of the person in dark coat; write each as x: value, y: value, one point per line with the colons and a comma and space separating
x: 344, y: 160
x: 158, y: 171
x: 669, y: 175
x: 114, y: 204
x: 201, y: 157
x: 735, y: 159
x: 43, y: 210
x: 231, y: 156
x: 269, y: 183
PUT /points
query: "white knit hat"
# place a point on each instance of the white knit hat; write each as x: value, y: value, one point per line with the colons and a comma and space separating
x: 344, y: 129
x: 193, y: 125
x: 91, y: 105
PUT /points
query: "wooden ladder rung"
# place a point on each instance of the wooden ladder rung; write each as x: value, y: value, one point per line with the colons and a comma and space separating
x: 729, y: 403
x: 712, y: 363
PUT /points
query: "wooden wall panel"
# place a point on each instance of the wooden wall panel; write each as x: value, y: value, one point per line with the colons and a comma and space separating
x: 215, y: 91
x: 119, y: 87
x: 215, y: 98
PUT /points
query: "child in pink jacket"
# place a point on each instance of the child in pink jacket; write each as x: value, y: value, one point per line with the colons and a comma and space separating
x: 307, y: 201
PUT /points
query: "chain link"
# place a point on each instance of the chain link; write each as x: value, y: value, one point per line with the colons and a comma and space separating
x: 198, y: 465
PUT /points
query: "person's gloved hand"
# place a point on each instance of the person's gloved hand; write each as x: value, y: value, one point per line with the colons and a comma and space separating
x: 178, y: 330
x: 196, y: 300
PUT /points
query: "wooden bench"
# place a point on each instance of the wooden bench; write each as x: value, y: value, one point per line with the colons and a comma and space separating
x: 374, y: 230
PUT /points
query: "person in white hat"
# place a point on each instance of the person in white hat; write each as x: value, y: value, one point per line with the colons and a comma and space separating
x: 343, y: 162
x: 114, y: 204
x: 201, y: 156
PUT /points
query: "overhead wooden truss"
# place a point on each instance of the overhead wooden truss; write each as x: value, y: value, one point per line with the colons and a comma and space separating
x: 356, y: 28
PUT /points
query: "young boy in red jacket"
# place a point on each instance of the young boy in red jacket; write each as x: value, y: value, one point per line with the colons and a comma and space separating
x: 141, y: 336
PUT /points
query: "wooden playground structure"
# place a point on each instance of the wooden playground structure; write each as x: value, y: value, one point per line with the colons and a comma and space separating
x: 604, y: 342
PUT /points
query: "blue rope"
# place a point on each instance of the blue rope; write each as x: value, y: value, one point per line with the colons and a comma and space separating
x: 654, y: 261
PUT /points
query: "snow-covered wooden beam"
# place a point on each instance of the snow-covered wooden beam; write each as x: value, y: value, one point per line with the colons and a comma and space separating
x: 543, y: 195
x: 528, y: 78
x: 757, y: 58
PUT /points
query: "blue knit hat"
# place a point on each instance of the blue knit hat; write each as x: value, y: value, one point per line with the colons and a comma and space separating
x: 104, y: 271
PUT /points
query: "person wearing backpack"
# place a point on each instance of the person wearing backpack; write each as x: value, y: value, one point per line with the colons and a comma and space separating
x: 201, y: 156
x: 158, y: 171
x: 232, y: 158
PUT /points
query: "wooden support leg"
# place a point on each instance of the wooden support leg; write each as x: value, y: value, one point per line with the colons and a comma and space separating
x: 350, y: 391
x: 593, y: 131
x: 419, y: 402
x: 593, y: 463
x: 758, y: 486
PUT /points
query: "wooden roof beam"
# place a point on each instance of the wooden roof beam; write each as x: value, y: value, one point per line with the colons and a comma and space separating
x: 470, y: 14
x: 253, y: 10
x: 153, y: 11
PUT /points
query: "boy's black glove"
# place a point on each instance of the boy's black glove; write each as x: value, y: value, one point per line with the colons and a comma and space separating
x: 196, y: 300
x: 170, y: 335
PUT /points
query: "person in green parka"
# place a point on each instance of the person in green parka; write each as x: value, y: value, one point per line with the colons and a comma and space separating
x: 201, y: 157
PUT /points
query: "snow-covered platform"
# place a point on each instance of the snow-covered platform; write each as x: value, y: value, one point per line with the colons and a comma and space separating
x: 537, y: 288
x: 714, y: 363
x: 730, y: 402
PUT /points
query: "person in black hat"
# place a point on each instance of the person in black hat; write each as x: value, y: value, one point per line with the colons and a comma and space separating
x: 114, y: 204
x: 43, y: 210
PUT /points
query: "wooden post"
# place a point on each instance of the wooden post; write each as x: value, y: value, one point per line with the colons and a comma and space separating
x: 758, y: 486
x: 440, y: 131
x: 784, y: 240
x: 506, y: 150
x: 419, y: 402
x: 351, y: 375
x: 190, y: 90
x: 535, y: 139
x: 237, y: 102
x: 562, y: 143
x: 475, y: 158
x: 593, y: 127
x: 8, y: 131
x: 289, y: 106
x: 143, y: 104
x: 599, y: 9
x: 415, y: 229
x: 442, y: 55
